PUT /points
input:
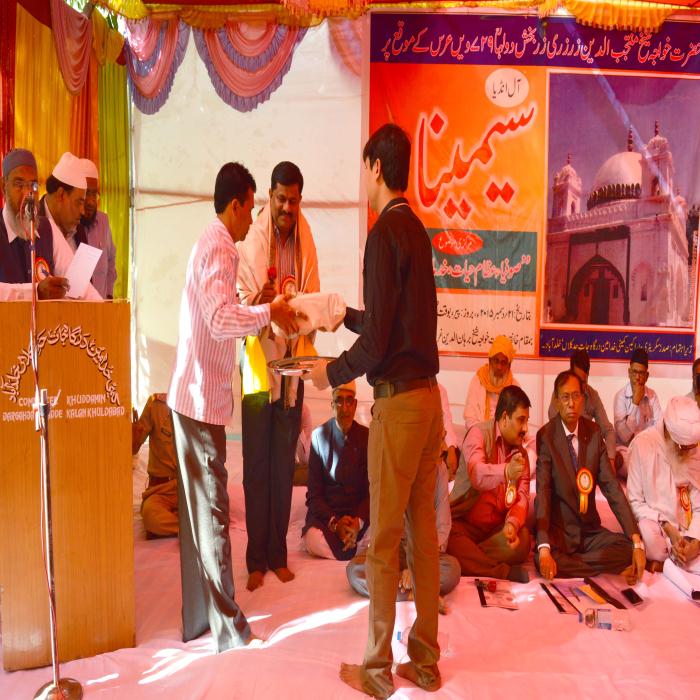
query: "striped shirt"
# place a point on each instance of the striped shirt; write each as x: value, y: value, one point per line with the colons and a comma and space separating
x: 286, y: 263
x: 211, y: 318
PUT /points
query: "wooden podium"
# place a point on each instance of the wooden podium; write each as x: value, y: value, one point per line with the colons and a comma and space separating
x: 84, y: 364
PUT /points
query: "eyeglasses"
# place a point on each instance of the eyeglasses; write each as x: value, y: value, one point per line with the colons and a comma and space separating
x: 639, y: 372
x: 570, y: 398
x: 21, y: 185
x: 343, y: 401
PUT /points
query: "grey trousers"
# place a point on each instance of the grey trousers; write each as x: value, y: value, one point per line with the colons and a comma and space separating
x: 601, y: 551
x: 205, y: 546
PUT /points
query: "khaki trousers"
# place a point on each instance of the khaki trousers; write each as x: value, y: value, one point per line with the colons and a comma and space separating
x: 159, y: 509
x: 404, y: 442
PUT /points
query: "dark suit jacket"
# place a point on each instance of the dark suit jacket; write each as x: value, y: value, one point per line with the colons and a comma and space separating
x: 559, y: 522
x: 338, y: 483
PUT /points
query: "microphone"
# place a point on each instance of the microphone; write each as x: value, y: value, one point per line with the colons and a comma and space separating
x: 29, y: 211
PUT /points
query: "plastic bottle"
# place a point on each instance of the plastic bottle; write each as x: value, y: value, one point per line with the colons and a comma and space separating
x: 443, y: 640
x: 608, y: 619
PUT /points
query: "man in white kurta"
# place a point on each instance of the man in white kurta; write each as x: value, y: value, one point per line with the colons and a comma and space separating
x: 662, y: 485
x: 488, y: 382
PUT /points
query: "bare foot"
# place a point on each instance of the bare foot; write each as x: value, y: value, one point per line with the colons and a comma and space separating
x: 284, y: 574
x: 255, y: 580
x: 353, y: 675
x: 410, y: 673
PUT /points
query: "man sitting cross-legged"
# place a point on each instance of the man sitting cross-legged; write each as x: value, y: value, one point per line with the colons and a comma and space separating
x: 449, y: 566
x: 571, y: 461
x: 490, y: 496
x: 338, y: 489
x: 662, y: 486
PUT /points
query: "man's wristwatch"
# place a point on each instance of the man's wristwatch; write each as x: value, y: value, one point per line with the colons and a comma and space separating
x: 639, y: 545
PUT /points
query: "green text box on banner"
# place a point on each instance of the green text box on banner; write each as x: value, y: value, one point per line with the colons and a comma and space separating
x: 484, y: 260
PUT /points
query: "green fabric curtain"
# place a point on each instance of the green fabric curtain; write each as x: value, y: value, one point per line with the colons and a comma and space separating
x: 115, y: 154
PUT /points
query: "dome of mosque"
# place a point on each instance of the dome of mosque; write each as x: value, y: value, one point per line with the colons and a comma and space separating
x: 621, y: 169
x: 620, y: 177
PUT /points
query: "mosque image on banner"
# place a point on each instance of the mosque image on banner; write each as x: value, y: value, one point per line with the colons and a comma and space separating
x: 622, y: 247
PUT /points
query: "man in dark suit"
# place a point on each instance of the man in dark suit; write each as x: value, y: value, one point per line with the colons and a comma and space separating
x: 571, y: 461
x: 338, y: 489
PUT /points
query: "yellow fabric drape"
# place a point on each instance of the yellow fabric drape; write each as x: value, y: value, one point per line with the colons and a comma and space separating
x: 106, y: 43
x: 620, y: 14
x: 43, y: 106
x: 115, y: 149
x: 48, y: 119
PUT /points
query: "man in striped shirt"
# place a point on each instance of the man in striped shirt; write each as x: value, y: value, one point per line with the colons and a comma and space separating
x: 200, y: 396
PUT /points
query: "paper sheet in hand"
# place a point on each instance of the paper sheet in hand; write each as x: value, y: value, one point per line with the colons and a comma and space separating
x: 687, y: 582
x: 81, y: 268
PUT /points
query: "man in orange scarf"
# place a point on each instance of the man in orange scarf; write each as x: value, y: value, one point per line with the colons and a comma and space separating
x: 277, y: 256
x: 487, y: 383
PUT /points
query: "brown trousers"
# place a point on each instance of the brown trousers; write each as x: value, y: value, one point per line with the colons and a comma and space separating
x: 404, y: 441
x: 485, y: 554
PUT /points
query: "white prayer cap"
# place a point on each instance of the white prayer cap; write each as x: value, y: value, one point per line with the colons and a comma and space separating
x: 682, y: 420
x: 350, y: 386
x: 89, y: 168
x: 69, y: 170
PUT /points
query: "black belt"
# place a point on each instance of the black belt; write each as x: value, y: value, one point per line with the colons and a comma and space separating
x: 387, y: 389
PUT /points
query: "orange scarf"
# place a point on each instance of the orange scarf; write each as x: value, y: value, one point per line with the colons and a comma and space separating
x: 491, y: 388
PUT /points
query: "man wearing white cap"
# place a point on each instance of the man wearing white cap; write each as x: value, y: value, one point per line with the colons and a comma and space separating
x: 338, y: 490
x: 53, y: 256
x: 94, y: 230
x: 662, y: 485
x: 64, y: 202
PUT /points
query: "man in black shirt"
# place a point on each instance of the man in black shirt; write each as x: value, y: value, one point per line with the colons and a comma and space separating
x: 397, y: 350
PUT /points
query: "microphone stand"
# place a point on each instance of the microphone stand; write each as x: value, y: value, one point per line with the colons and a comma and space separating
x: 59, y: 688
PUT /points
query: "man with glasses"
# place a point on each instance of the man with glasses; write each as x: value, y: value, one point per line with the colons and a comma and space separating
x: 53, y: 255
x: 94, y: 230
x: 636, y: 408
x: 662, y: 486
x: 593, y: 409
x: 571, y: 462
x: 338, y: 489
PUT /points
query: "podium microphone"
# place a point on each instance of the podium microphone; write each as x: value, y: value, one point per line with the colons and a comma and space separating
x: 29, y: 209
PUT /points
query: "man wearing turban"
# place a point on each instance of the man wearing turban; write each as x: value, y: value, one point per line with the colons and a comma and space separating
x: 487, y: 383
x: 662, y: 485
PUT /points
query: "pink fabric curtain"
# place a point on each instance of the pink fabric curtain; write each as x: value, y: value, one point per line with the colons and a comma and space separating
x: 72, y: 34
x: 246, y: 62
x: 154, y: 52
x: 346, y: 39
x: 143, y: 37
x: 250, y: 39
x: 241, y: 81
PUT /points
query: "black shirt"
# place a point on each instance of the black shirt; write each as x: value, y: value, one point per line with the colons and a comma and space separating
x: 398, y: 327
